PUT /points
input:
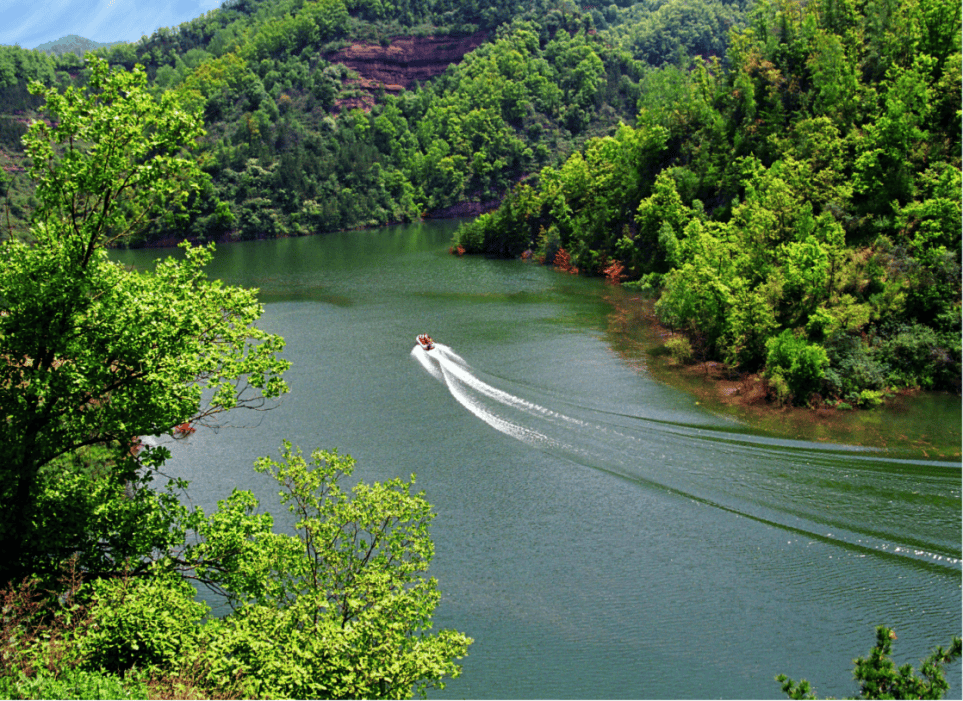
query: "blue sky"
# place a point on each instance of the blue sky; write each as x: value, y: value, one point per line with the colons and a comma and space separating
x: 33, y: 22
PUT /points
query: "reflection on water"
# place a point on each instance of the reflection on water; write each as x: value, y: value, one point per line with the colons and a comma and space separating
x: 915, y: 424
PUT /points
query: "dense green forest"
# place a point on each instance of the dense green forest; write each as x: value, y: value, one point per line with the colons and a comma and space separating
x: 796, y: 206
x: 787, y: 180
x: 284, y: 158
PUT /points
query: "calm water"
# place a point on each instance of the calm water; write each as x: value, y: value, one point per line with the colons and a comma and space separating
x: 599, y: 534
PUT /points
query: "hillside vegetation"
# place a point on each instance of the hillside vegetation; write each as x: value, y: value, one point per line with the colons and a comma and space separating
x: 288, y: 153
x: 74, y: 44
x: 796, y: 206
x: 788, y: 182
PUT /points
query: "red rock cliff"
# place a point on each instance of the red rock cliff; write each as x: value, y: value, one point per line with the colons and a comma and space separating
x: 406, y: 60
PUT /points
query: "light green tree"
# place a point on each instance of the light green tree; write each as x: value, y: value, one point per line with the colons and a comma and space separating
x: 341, y: 610
x: 95, y: 354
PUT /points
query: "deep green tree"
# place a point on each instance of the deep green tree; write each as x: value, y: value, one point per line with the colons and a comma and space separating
x: 879, y: 677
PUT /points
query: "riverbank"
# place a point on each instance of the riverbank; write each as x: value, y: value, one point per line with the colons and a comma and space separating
x: 909, y: 423
x: 461, y: 210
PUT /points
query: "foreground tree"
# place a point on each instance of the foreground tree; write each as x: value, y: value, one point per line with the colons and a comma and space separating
x: 879, y: 678
x: 95, y: 354
x: 341, y: 609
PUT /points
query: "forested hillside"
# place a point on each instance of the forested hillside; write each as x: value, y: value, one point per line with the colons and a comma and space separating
x: 789, y: 184
x: 73, y: 44
x: 288, y: 151
x: 796, y: 205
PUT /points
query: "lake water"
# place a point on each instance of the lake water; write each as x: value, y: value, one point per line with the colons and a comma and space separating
x: 598, y: 533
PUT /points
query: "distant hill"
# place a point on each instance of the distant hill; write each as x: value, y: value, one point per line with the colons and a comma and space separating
x: 73, y: 44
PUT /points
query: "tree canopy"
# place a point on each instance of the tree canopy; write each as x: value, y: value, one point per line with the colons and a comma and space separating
x: 95, y: 354
x: 795, y: 206
x: 880, y: 678
x: 98, y: 562
x: 340, y: 609
x: 288, y: 150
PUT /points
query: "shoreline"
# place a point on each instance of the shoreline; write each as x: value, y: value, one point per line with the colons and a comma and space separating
x: 902, y: 425
x: 460, y: 210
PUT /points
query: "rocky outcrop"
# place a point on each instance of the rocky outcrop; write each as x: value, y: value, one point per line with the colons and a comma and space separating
x: 406, y: 60
x: 464, y: 209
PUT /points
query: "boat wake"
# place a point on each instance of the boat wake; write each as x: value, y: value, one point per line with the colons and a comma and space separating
x: 818, y: 491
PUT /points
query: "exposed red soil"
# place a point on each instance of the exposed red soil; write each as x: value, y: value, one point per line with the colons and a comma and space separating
x: 398, y: 66
x: 406, y: 59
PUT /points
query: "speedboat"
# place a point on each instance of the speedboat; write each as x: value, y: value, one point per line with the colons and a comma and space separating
x: 424, y: 340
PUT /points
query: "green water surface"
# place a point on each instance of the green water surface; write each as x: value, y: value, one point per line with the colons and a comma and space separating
x: 599, y: 533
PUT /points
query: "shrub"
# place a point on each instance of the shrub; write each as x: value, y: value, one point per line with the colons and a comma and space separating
x: 870, y: 398
x: 853, y: 366
x: 143, y: 622
x: 614, y: 272
x: 71, y: 684
x: 779, y: 388
x: 563, y: 261
x: 547, y: 244
x: 798, y: 364
x: 470, y: 237
x: 648, y: 285
x: 680, y: 349
x: 915, y: 357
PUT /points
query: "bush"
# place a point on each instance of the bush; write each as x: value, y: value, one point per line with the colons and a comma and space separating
x: 852, y: 366
x: 794, y: 366
x: 870, y: 398
x: 915, y: 357
x: 649, y: 285
x: 50, y: 642
x: 148, y: 623
x: 71, y: 684
x: 680, y: 349
x: 471, y: 235
x: 779, y: 388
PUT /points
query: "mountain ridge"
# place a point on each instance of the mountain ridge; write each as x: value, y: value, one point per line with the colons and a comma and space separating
x: 74, y: 43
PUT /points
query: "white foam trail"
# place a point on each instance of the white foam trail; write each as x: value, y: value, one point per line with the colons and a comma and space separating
x: 461, y: 370
x: 641, y: 449
x: 449, y: 367
x: 422, y: 356
x: 442, y: 349
x: 507, y: 427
